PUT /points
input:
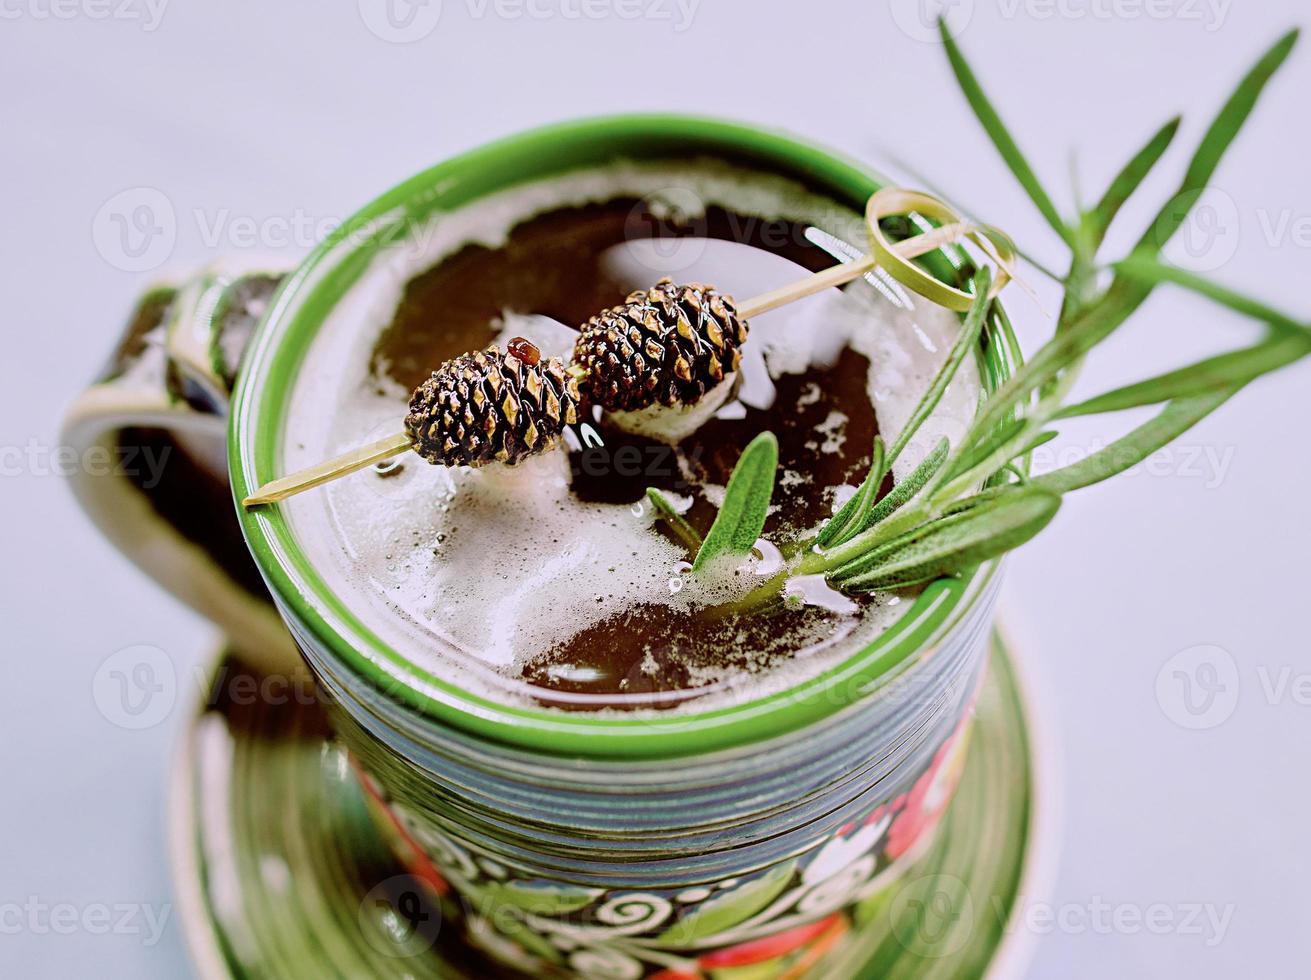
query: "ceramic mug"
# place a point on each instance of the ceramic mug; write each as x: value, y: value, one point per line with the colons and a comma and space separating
x: 578, y: 844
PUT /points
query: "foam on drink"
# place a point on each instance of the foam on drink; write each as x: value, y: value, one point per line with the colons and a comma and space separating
x: 548, y: 583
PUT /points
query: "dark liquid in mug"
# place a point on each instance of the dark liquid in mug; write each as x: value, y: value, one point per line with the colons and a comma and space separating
x: 555, y: 264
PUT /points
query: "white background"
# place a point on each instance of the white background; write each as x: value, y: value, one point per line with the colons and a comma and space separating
x: 279, y: 113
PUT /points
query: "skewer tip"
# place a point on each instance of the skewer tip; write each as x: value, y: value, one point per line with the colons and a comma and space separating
x: 349, y: 462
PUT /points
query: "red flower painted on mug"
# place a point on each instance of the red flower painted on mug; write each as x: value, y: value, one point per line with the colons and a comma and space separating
x: 791, y: 952
x: 928, y: 799
x: 415, y: 860
x: 767, y: 947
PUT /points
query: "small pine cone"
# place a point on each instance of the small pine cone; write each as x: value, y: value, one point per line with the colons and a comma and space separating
x: 490, y: 406
x: 668, y: 344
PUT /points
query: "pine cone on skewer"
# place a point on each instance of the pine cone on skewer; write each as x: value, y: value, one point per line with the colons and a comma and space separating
x: 667, y: 345
x: 492, y: 406
x: 651, y: 362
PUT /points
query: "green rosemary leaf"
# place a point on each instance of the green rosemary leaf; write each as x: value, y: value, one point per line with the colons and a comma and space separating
x: 907, y: 488
x: 1015, y: 471
x: 855, y: 510
x: 976, y: 500
x: 1086, y: 328
x: 1232, y: 370
x: 1175, y: 419
x: 1004, y: 454
x: 1091, y: 324
x: 1019, y: 461
x: 965, y: 462
x: 1128, y: 180
x: 1214, y: 144
x: 966, y: 341
x: 983, y: 528
x: 1001, y: 137
x: 1041, y: 439
x: 682, y: 530
x: 1151, y: 271
x: 746, y: 503
x: 899, y: 495
x: 1041, y: 266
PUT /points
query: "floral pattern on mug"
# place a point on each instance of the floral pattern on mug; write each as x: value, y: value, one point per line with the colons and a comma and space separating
x: 923, y: 806
x: 779, y: 922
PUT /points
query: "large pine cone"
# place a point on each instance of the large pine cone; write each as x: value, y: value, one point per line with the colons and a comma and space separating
x: 490, y: 406
x: 668, y: 344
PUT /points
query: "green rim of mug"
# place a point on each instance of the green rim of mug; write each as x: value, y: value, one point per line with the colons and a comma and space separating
x: 303, y: 303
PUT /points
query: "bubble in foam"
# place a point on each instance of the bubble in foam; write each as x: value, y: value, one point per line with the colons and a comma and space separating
x: 814, y: 590
x: 769, y: 559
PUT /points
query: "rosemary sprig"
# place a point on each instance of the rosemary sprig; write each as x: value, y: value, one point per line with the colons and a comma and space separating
x: 1127, y: 181
x: 1173, y: 421
x: 1217, y: 140
x: 969, y: 535
x: 1084, y: 324
x: 678, y: 526
x: 864, y: 509
x: 854, y: 516
x: 742, y: 515
x: 870, y: 515
x: 966, y: 342
x: 973, y: 503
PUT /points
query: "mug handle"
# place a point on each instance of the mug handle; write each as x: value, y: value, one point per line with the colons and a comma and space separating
x: 147, y: 448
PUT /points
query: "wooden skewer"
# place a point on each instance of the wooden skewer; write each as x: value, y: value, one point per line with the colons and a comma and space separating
x: 329, y: 469
x: 376, y: 452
